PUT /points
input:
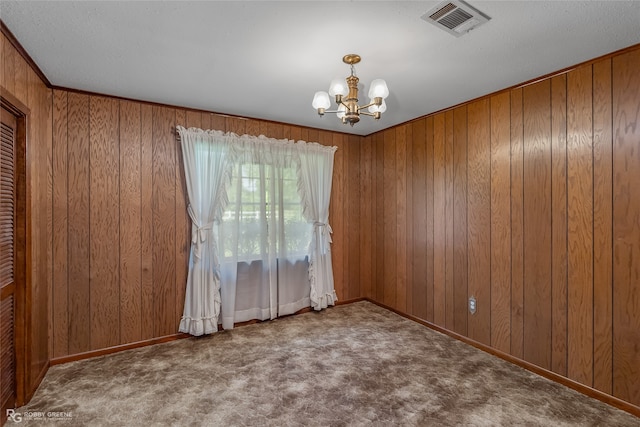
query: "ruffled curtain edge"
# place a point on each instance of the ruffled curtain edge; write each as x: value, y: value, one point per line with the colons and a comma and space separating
x: 260, y: 137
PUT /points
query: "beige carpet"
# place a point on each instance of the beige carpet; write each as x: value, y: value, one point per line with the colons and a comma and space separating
x: 350, y: 365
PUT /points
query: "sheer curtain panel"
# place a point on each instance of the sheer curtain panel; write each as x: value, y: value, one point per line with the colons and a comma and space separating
x: 264, y: 237
x: 315, y: 176
x: 208, y: 160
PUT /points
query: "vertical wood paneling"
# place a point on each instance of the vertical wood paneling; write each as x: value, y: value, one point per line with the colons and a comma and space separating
x: 295, y: 133
x: 2, y: 55
x: 194, y: 120
x: 448, y: 220
x: 537, y: 223
x: 218, y: 122
x: 353, y: 277
x: 147, y: 308
x: 401, y: 217
x: 286, y: 131
x: 104, y: 228
x: 419, y: 219
x: 205, y: 119
x: 275, y: 130
x: 130, y: 213
x: 9, y: 55
x: 517, y: 225
x: 602, y: 230
x: 375, y: 217
x: 47, y: 100
x: 304, y: 134
x: 252, y: 127
x: 341, y: 209
x: 47, y: 344
x: 460, y: 220
x: 626, y: 227
x: 234, y: 124
x: 78, y: 211
x: 3, y: 47
x: 500, y: 221
x: 365, y: 203
x: 337, y: 209
x: 34, y: 153
x: 183, y: 223
x: 21, y: 68
x: 439, y: 224
x: 164, y: 221
x: 559, y: 224
x: 39, y: 158
x: 264, y: 129
x: 379, y: 236
x: 409, y: 220
x: 60, y: 294
x: 429, y: 155
x: 479, y: 218
x: 390, y: 220
x: 44, y: 340
x: 580, y: 225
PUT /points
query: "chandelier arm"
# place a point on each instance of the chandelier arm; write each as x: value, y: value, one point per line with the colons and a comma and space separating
x: 376, y: 101
x: 367, y: 106
x: 343, y: 103
x: 375, y: 115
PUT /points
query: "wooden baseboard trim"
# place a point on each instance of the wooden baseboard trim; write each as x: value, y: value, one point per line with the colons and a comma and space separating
x: 351, y: 301
x: 116, y: 349
x: 581, y: 388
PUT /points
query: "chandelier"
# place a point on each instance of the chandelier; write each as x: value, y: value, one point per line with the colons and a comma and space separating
x: 347, y: 96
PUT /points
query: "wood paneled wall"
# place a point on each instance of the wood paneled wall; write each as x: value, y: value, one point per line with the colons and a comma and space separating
x: 22, y: 82
x: 527, y: 200
x: 121, y: 233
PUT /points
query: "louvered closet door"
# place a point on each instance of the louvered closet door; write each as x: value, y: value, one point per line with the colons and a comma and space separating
x: 7, y: 260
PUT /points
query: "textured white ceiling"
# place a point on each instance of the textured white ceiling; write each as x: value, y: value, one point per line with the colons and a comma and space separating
x: 266, y: 59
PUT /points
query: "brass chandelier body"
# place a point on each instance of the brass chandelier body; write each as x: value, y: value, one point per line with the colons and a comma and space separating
x: 348, y: 109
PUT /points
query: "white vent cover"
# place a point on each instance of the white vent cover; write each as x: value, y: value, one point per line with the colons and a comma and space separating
x: 455, y: 17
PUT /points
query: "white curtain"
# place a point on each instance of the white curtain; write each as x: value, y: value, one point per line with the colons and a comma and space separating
x: 264, y: 237
x: 260, y: 235
x: 208, y: 159
x: 315, y: 174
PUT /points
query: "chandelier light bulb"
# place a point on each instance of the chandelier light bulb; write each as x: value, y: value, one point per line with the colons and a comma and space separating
x: 338, y: 87
x: 321, y: 100
x: 342, y: 110
x: 378, y: 89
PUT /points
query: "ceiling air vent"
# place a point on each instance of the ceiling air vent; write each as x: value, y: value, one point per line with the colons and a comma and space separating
x: 455, y: 17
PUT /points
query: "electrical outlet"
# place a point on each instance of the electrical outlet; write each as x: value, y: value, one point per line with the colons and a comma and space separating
x: 472, y: 305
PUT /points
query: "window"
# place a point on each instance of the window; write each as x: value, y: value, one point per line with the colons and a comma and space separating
x: 264, y: 202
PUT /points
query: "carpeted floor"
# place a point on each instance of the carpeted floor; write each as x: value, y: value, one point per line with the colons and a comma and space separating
x: 350, y: 365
